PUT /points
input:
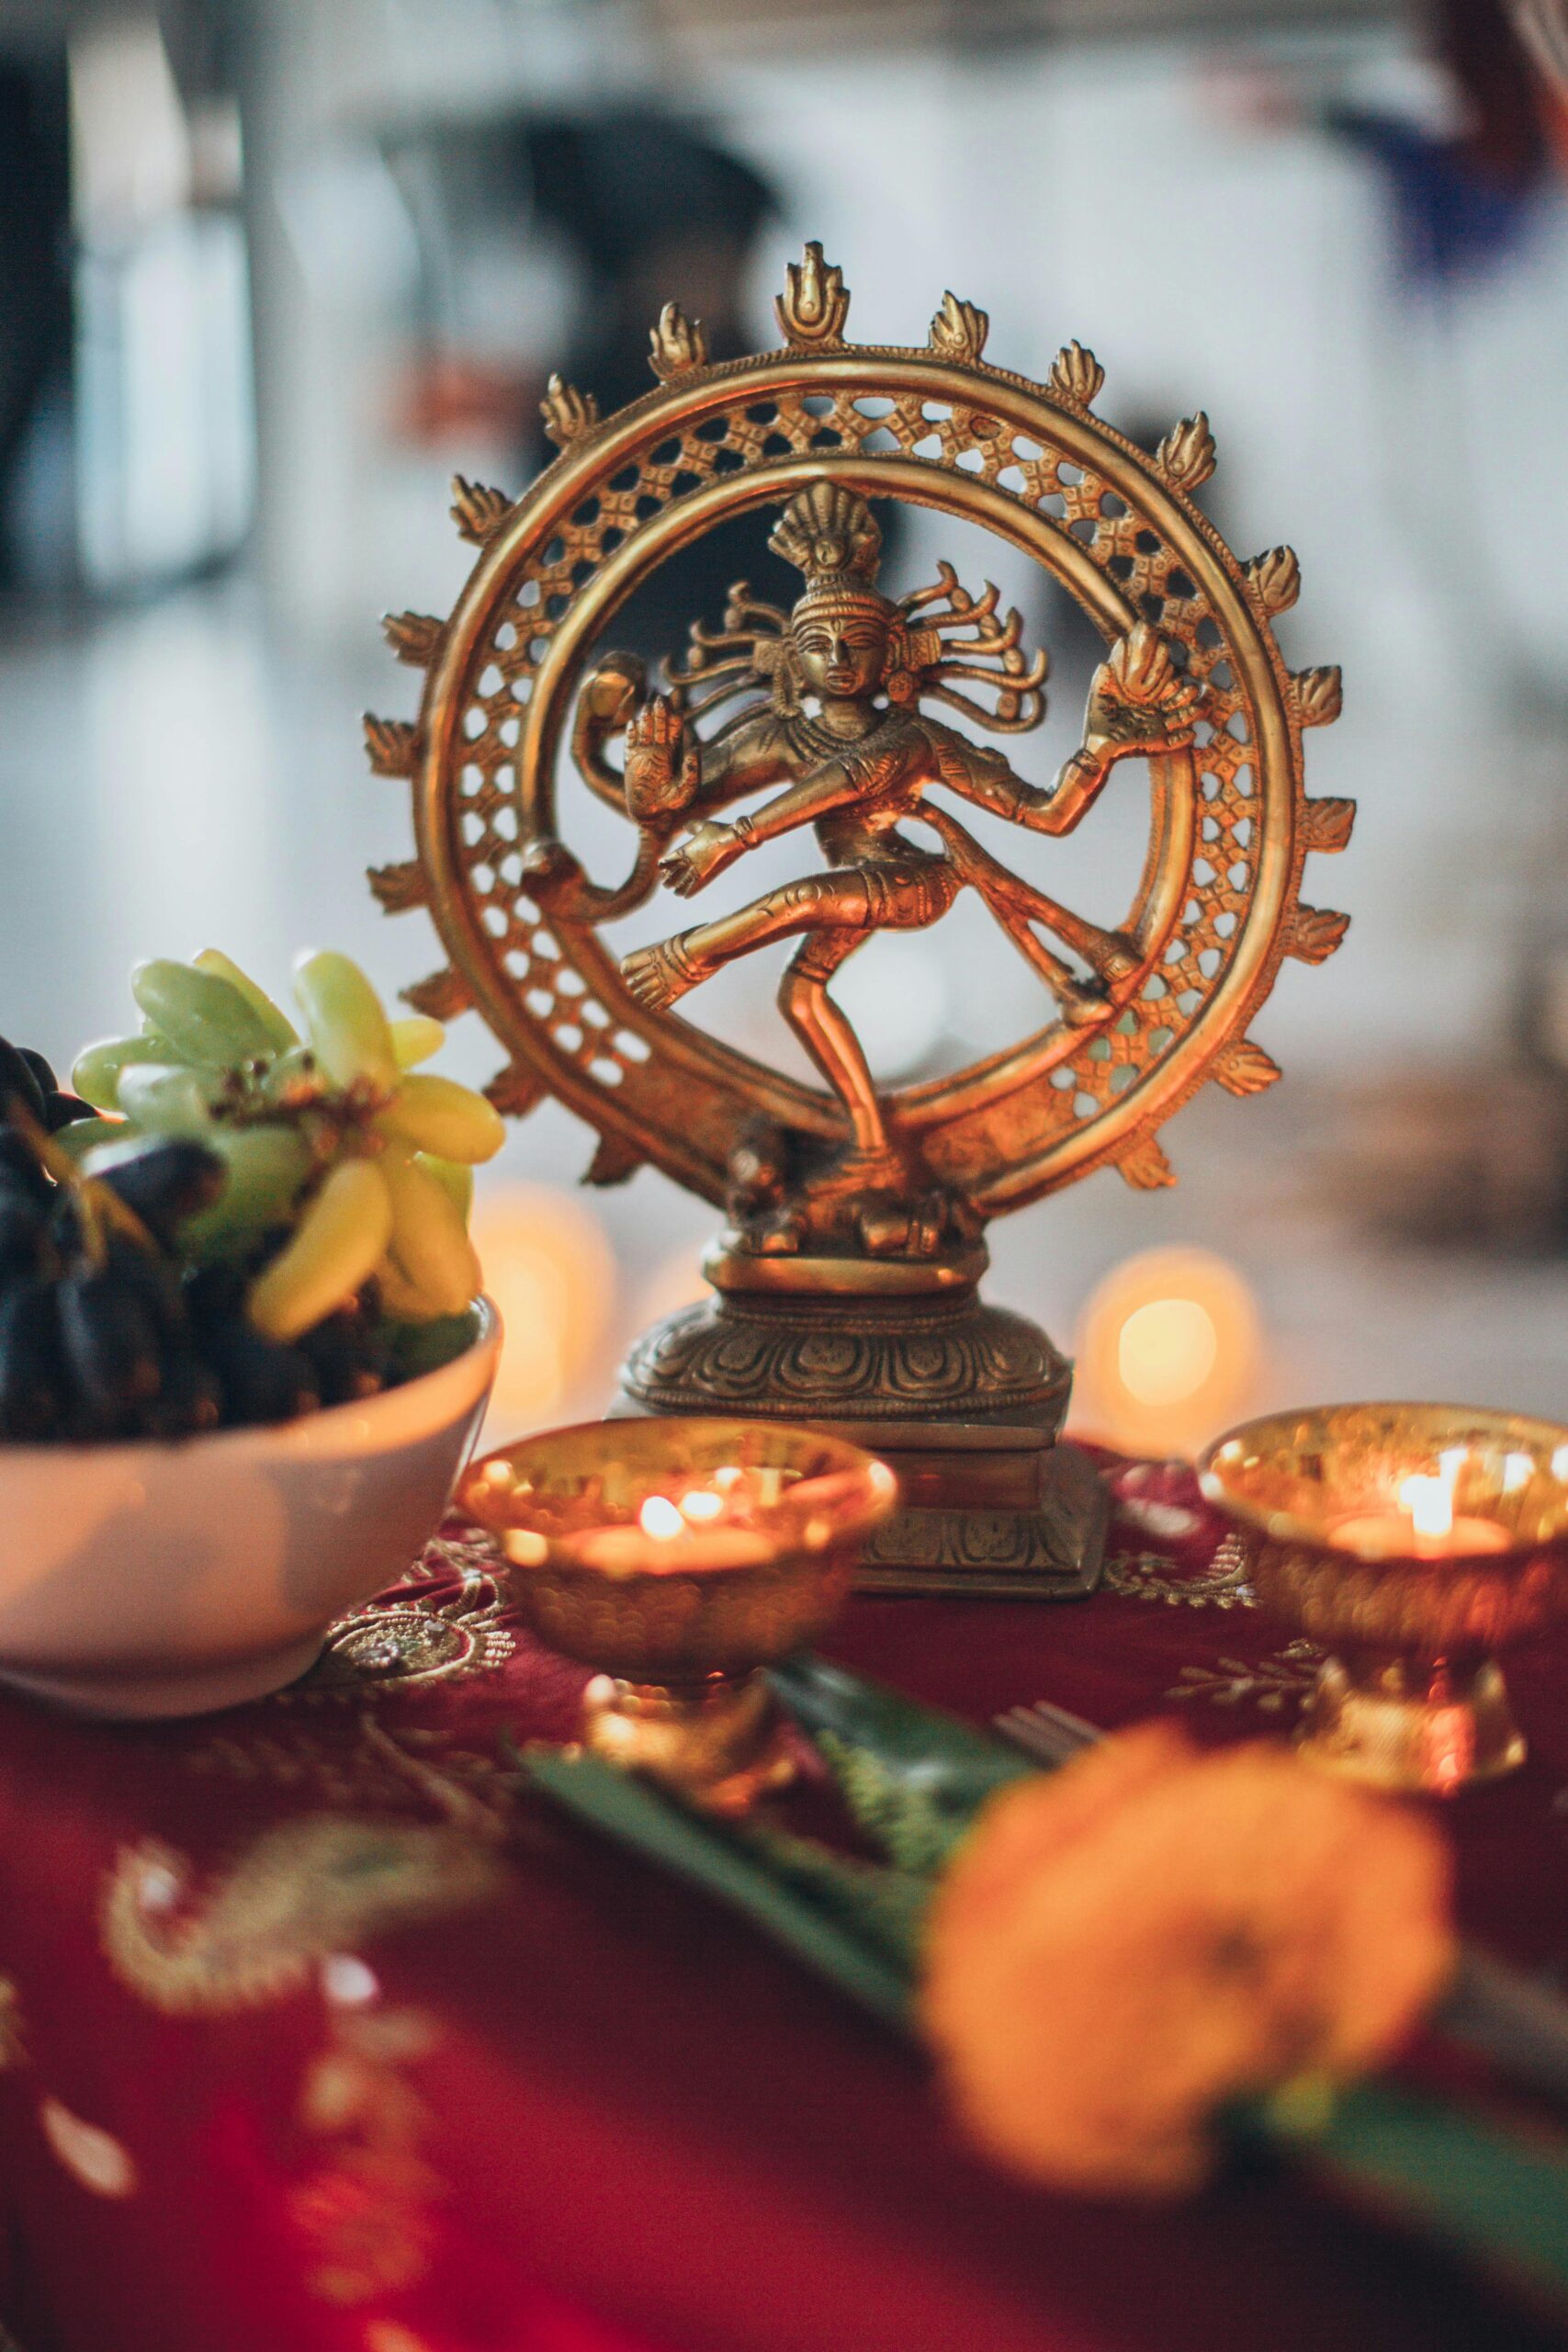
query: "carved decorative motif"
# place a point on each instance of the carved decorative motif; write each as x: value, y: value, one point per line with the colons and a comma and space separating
x: 677, y: 344
x: 815, y: 303
x: 1076, y: 376
x: 959, y: 330
x: 957, y: 1361
x: 568, y: 414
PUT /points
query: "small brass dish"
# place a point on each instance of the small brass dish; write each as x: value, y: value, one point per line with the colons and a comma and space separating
x: 680, y: 1557
x: 1413, y: 1542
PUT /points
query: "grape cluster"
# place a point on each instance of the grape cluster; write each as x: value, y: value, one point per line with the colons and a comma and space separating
x: 261, y: 1224
x: 106, y: 1333
x: 346, y: 1162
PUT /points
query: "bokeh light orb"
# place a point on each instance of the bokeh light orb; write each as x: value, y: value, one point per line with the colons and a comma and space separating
x: 550, y: 1268
x: 1169, y: 1351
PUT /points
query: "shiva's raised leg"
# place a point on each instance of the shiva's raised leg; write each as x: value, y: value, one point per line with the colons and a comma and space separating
x: 658, y: 975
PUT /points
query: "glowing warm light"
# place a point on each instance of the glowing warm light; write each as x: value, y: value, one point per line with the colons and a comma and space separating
x: 661, y: 1518
x: 549, y: 1267
x: 1166, y: 1352
x: 703, y: 1503
x: 676, y: 1281
x: 1430, y: 1502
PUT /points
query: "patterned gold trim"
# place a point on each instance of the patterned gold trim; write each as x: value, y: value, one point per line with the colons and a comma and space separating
x: 1148, y: 1576
x: 301, y: 1891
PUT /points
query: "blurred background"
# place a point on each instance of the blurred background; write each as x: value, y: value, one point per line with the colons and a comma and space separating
x: 271, y: 270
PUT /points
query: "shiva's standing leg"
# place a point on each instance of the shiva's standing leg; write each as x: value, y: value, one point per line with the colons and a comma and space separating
x: 824, y: 1030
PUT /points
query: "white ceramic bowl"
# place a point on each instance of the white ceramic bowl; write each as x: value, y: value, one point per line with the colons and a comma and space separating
x: 168, y: 1579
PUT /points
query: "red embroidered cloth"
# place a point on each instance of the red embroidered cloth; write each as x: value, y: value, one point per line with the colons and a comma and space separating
x: 314, y: 2035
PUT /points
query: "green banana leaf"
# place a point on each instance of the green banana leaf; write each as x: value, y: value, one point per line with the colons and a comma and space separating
x: 913, y: 1777
x: 1470, y: 2183
x: 822, y: 1915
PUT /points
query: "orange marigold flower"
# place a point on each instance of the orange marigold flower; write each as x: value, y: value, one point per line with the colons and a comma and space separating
x: 1121, y: 1947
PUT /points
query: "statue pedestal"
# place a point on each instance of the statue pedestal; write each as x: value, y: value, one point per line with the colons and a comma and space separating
x: 963, y: 1400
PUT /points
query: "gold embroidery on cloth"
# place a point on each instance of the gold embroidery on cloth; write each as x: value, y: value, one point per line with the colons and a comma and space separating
x: 89, y: 2153
x: 414, y: 1640
x: 1148, y: 1576
x: 364, y: 2213
x: 13, y: 2042
x: 303, y: 1889
x: 1276, y: 1685
x: 379, y: 1769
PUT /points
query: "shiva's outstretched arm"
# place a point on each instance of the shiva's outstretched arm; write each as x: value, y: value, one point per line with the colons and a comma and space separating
x: 1138, y: 702
x: 709, y: 849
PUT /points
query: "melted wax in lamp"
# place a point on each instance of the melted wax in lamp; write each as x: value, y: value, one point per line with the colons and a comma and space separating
x: 713, y: 1523
x: 1424, y: 1528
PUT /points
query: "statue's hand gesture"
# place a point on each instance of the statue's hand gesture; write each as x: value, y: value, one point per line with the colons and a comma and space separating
x: 707, y: 851
x: 1139, y: 700
x: 663, y: 762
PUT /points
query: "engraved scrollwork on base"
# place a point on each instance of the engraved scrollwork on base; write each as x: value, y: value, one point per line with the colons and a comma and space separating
x: 823, y: 1359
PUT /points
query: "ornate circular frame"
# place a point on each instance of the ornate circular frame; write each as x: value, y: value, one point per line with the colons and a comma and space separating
x: 1218, y: 905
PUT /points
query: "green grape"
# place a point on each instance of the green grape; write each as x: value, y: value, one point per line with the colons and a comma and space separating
x: 453, y: 1178
x: 416, y: 1038
x: 205, y: 1019
x: 296, y: 1063
x: 279, y: 1028
x: 401, y: 1300
x: 79, y: 1139
x: 334, y: 1249
x: 438, y: 1115
x: 347, y: 1027
x: 430, y: 1243
x: 268, y: 1168
x: 97, y: 1071
x: 165, y: 1100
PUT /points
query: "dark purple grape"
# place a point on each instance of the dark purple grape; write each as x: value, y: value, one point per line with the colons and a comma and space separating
x: 32, y: 1382
x: 156, y: 1283
x: 111, y: 1347
x: 261, y: 1380
x: 23, y: 1238
x: 47, y: 1081
x: 215, y: 1293
x: 350, y: 1354
x: 191, y: 1399
x: 16, y: 1079
x: 61, y: 1110
x: 19, y: 1167
x: 165, y: 1184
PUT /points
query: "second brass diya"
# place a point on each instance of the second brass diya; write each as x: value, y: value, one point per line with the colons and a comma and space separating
x: 1413, y: 1542
x: 680, y: 1558
x: 845, y: 1283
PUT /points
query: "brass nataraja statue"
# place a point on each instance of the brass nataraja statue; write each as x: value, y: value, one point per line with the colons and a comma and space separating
x: 845, y: 1282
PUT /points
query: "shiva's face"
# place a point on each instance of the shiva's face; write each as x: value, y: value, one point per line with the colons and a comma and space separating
x: 842, y: 655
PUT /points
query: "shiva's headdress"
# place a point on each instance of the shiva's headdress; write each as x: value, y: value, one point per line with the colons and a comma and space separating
x: 831, y: 536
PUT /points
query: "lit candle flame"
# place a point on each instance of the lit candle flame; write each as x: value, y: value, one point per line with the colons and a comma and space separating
x: 1430, y: 1502
x: 702, y: 1503
x: 661, y: 1519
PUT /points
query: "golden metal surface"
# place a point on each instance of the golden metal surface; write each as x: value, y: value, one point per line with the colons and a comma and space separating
x: 678, y: 1653
x: 821, y: 718
x: 1413, y: 1697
